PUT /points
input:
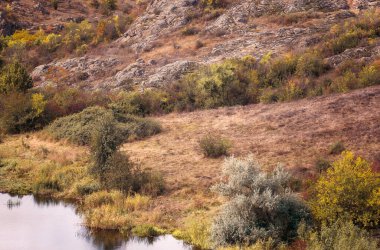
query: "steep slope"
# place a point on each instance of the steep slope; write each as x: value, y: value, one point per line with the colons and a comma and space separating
x: 170, y: 38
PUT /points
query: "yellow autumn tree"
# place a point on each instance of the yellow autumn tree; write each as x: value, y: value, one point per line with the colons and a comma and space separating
x: 348, y: 190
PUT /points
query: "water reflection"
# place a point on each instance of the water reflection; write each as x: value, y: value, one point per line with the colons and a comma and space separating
x: 36, y: 223
x: 104, y: 239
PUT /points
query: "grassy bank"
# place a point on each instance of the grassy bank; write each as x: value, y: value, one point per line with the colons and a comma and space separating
x: 59, y: 170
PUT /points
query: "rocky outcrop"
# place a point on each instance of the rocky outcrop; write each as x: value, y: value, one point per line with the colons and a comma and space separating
x: 237, y: 32
x: 86, y: 67
x: 170, y: 73
x: 131, y: 75
x: 364, y: 4
x: 361, y: 54
x: 161, y: 17
x: 236, y: 17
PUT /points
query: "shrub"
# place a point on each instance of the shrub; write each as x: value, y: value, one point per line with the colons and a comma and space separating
x: 54, y: 3
x: 260, y: 206
x: 78, y: 128
x: 348, y: 40
x: 189, y: 31
x: 281, y: 69
x: 347, y: 190
x: 105, y: 143
x: 14, y: 77
x: 345, y: 82
x: 76, y: 35
x: 294, y: 18
x: 292, y: 91
x: 108, y: 6
x: 66, y: 101
x: 87, y: 186
x: 321, y: 165
x: 196, y: 231
x: 100, y: 198
x: 147, y: 231
x: 213, y: 3
x: 337, y: 148
x: 310, y: 64
x: 119, y: 173
x: 199, y: 44
x: 339, y: 235
x: 232, y: 82
x: 214, y: 146
x: 142, y: 103
x: 20, y: 112
x: 269, y: 95
x: 113, y: 168
x: 370, y: 75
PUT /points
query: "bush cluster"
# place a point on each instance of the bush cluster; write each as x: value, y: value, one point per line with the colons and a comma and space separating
x: 339, y: 235
x: 74, y: 38
x: 113, y: 168
x: 260, y: 206
x: 214, y: 146
x: 78, y: 128
x: 20, y: 109
x: 348, y: 190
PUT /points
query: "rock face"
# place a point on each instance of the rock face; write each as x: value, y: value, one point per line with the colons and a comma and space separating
x: 85, y: 68
x: 170, y: 72
x: 131, y: 75
x: 237, y: 16
x: 237, y: 32
x: 360, y: 54
x: 364, y: 4
x: 161, y: 17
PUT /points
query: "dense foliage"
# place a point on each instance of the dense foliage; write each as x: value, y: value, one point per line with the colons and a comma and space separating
x: 15, y: 78
x: 348, y: 190
x: 214, y: 146
x: 114, y: 169
x: 260, y: 206
x: 339, y: 235
x: 78, y: 128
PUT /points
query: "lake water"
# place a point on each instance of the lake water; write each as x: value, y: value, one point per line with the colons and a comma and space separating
x: 34, y: 224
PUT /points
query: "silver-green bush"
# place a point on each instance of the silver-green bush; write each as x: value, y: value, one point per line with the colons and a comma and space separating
x: 260, y: 206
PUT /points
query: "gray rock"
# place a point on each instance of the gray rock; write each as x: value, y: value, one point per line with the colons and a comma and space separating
x: 355, y: 53
x: 131, y: 75
x: 85, y: 66
x: 170, y: 73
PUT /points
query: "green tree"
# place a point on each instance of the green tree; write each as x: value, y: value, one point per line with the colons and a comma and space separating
x: 14, y: 77
x: 347, y: 190
x: 105, y: 143
x: 20, y: 112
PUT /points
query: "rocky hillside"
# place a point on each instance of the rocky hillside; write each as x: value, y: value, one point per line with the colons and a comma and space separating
x: 168, y: 38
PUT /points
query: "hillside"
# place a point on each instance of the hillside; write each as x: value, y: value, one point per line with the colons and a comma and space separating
x: 228, y: 124
x: 162, y: 40
x: 295, y: 134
